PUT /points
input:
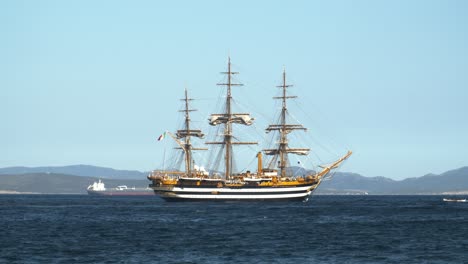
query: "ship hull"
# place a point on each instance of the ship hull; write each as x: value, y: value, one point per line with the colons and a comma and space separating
x: 178, y: 199
x: 172, y: 194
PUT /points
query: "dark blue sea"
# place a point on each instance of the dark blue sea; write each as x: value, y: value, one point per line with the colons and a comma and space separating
x: 326, y: 229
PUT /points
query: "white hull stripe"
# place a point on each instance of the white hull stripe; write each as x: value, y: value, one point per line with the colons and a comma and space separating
x: 236, y: 197
x: 234, y: 190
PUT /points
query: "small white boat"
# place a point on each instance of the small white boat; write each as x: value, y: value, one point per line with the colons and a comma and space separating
x: 455, y: 200
x: 98, y: 188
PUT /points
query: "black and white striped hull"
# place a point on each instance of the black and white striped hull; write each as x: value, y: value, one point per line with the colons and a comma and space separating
x: 297, y: 193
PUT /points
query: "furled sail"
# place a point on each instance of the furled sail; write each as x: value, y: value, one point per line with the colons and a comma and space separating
x: 193, y: 133
x: 243, y: 119
x: 285, y: 128
x: 297, y: 151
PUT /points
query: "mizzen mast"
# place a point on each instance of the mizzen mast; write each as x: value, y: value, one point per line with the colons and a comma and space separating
x: 228, y: 118
x: 187, y: 133
x: 284, y: 129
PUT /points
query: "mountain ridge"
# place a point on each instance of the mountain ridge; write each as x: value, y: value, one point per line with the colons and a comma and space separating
x: 78, y: 170
x: 26, y: 179
x: 52, y: 183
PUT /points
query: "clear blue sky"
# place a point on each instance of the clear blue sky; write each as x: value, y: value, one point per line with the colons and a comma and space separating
x: 96, y: 82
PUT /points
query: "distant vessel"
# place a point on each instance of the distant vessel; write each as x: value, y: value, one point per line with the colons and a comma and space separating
x: 98, y: 188
x: 455, y: 200
x: 273, y: 182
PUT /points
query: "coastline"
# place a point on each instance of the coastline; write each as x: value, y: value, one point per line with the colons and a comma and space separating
x: 8, y: 192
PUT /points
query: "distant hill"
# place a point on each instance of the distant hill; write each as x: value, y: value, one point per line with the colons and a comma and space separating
x: 450, y: 181
x: 78, y: 177
x: 454, y: 181
x: 79, y: 170
x: 57, y: 183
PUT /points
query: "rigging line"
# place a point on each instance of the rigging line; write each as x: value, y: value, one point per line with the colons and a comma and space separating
x: 202, y: 112
x: 209, y: 163
x: 220, y: 100
x: 273, y: 163
x: 317, y: 157
x: 244, y: 149
x: 299, y: 168
x: 249, y: 105
x: 254, y: 125
x: 271, y: 142
x: 255, y: 150
x: 213, y: 133
x: 178, y: 162
x: 169, y: 152
x: 259, y: 132
x: 206, y: 98
x: 221, y: 93
x: 334, y: 171
x: 302, y: 138
x: 306, y: 161
x: 313, y: 164
x: 198, y: 159
x: 218, y: 159
x: 318, y: 143
x: 293, y: 117
x: 300, y: 106
x: 233, y: 164
x: 316, y: 124
x: 297, y: 137
x: 251, y: 81
x: 249, y: 164
x: 164, y: 157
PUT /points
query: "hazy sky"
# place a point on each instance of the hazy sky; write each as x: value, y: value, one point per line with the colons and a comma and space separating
x: 96, y: 82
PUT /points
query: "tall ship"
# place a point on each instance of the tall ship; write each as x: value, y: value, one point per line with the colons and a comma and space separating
x: 273, y: 182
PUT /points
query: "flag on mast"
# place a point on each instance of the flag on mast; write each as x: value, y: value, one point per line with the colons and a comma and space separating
x: 161, y: 137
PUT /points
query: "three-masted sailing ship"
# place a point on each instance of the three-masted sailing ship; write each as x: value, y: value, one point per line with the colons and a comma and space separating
x: 273, y: 182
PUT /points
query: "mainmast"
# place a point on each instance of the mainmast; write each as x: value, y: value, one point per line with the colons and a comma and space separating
x: 228, y: 118
x: 187, y: 133
x: 284, y: 129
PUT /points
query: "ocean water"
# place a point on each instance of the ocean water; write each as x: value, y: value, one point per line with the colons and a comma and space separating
x: 326, y: 229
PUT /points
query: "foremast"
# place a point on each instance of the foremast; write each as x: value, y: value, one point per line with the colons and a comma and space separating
x: 186, y: 133
x: 283, y: 149
x: 228, y: 118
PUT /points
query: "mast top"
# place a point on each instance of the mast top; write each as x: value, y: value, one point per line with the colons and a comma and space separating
x: 283, y: 149
x: 283, y: 127
x: 228, y: 118
x: 284, y: 86
x: 187, y: 132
